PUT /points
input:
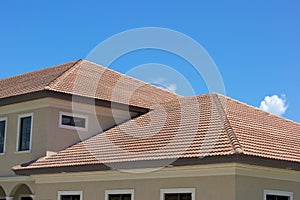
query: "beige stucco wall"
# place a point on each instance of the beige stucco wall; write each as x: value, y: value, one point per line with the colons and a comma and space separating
x: 249, y: 188
x: 207, y: 188
x: 61, y: 138
x: 228, y: 181
x: 231, y: 181
x: 99, y: 120
x: 47, y: 136
x: 38, y: 142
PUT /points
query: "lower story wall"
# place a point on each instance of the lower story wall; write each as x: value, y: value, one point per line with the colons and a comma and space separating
x: 230, y: 181
x: 249, y: 188
x: 214, y: 188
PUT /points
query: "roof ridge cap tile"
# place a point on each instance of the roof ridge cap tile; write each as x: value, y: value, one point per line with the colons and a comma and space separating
x: 54, y: 81
x: 227, y: 126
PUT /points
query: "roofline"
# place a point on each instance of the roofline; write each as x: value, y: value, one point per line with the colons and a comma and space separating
x: 69, y: 97
x: 235, y: 158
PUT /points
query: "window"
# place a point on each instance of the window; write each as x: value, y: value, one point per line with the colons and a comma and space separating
x: 73, y: 121
x: 25, y: 197
x: 2, y: 134
x: 119, y: 194
x: 70, y: 195
x: 178, y: 194
x: 277, y: 195
x: 24, y: 132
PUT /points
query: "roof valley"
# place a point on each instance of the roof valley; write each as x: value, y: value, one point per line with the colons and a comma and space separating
x: 231, y: 135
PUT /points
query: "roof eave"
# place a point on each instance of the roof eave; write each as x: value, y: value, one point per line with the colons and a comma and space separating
x: 69, y: 97
x: 235, y: 158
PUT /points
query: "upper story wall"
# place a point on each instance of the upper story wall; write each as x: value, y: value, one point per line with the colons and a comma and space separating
x: 12, y: 113
x: 47, y: 133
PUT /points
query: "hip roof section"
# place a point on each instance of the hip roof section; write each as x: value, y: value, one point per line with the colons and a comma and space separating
x: 86, y: 79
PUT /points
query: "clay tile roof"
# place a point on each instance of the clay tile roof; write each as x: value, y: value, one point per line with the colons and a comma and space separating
x: 193, y: 127
x: 31, y: 82
x: 263, y: 134
x: 87, y: 79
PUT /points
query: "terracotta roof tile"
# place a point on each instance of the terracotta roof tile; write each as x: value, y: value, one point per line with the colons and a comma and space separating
x: 206, y: 125
x: 176, y: 127
x: 187, y: 127
x: 264, y: 134
x: 31, y: 82
x: 87, y: 79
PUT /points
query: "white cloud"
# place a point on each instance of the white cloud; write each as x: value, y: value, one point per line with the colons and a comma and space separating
x: 274, y: 104
x: 164, y: 84
x: 172, y: 87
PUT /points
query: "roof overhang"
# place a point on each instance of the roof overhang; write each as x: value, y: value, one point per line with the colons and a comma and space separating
x: 69, y: 97
x: 235, y: 158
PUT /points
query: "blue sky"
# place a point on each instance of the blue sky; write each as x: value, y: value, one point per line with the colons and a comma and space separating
x: 255, y: 44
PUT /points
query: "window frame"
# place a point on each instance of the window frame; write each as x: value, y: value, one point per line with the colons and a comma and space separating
x: 60, y: 125
x: 20, y: 116
x: 78, y: 192
x: 177, y: 190
x: 279, y: 193
x: 120, y: 191
x: 5, y: 134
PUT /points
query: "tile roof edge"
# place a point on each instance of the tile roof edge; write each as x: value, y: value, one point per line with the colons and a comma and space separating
x: 48, y: 87
x: 237, y: 158
x: 231, y: 134
x: 37, y: 70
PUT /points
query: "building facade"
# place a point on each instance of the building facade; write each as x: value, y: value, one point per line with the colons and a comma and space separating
x: 80, y: 131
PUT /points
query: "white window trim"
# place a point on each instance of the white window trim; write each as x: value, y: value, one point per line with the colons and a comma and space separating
x: 73, y: 127
x: 121, y: 191
x: 278, y: 192
x: 5, y: 134
x: 18, y: 132
x: 178, y: 190
x: 69, y: 193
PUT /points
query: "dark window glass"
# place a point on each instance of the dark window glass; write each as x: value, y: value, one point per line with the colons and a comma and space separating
x: 24, y: 137
x: 2, y: 136
x: 119, y: 197
x: 70, y: 197
x: 178, y: 196
x: 26, y: 198
x: 277, y: 197
x: 73, y: 121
